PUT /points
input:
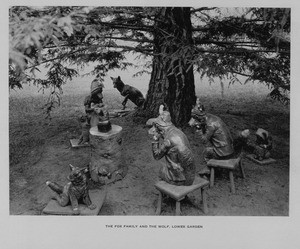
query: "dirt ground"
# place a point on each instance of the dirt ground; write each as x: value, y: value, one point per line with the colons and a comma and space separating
x: 47, y: 154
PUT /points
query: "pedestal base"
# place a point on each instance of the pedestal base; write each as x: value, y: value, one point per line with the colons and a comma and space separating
x: 74, y: 144
x: 97, y: 197
x: 262, y: 162
x: 119, y: 112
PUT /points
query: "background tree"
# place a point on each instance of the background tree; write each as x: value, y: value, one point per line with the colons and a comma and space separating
x: 253, y: 42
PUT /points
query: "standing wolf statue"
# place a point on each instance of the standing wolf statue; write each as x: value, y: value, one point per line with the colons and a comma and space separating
x: 129, y: 92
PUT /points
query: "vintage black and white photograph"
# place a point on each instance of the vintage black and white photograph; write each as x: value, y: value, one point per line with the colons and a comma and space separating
x: 149, y: 111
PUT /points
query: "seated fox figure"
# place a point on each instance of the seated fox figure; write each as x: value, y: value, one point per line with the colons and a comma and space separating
x: 263, y: 145
x: 74, y: 191
x: 129, y: 92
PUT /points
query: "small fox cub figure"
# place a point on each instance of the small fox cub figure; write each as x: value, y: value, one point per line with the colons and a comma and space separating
x: 74, y: 191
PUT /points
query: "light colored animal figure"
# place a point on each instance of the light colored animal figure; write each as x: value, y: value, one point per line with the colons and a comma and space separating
x: 74, y: 191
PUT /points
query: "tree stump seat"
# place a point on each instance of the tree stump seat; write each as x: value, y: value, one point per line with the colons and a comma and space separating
x: 229, y: 164
x: 178, y: 193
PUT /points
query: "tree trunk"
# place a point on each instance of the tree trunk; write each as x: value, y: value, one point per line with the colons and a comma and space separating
x: 172, y: 78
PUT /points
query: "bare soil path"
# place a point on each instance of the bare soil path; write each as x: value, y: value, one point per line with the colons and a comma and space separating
x: 264, y: 192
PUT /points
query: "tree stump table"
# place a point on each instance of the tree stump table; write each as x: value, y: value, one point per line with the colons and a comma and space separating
x: 106, y: 152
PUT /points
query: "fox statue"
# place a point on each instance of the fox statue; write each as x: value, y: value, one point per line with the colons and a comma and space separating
x: 129, y: 92
x: 74, y: 191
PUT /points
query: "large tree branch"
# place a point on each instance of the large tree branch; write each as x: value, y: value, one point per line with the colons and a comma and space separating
x: 60, y: 57
x: 201, y: 29
x: 199, y: 41
x: 253, y: 77
x: 242, y: 74
x: 128, y: 39
x: 124, y: 48
x: 240, y: 51
x: 104, y: 37
x: 236, y: 26
x: 131, y: 48
x: 201, y: 9
x: 113, y: 25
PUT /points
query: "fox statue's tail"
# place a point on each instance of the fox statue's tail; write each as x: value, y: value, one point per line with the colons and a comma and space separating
x: 55, y: 187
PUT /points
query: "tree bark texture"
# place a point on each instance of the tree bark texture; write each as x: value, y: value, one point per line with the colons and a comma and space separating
x: 172, y: 78
x: 106, y: 153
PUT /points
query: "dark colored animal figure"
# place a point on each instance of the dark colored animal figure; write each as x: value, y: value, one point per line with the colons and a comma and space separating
x: 129, y: 92
x: 74, y: 191
x: 263, y: 146
x: 199, y: 121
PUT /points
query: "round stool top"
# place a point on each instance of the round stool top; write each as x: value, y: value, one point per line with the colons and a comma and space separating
x: 115, y: 129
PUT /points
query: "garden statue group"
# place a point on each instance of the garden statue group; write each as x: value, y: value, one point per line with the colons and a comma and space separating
x: 168, y: 142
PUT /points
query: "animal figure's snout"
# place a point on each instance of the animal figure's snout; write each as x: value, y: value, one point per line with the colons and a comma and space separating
x: 192, y: 122
x: 152, y: 131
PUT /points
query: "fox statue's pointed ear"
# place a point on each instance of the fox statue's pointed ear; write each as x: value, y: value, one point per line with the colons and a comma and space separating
x: 119, y: 78
x: 85, y: 170
x: 112, y: 78
x: 265, y: 135
x: 198, y: 104
x: 161, y: 109
x: 71, y: 167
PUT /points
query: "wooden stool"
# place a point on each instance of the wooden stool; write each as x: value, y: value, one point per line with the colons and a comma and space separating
x: 178, y: 193
x: 230, y: 164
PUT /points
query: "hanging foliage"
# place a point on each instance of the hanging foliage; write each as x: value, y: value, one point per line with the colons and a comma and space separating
x: 218, y: 42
